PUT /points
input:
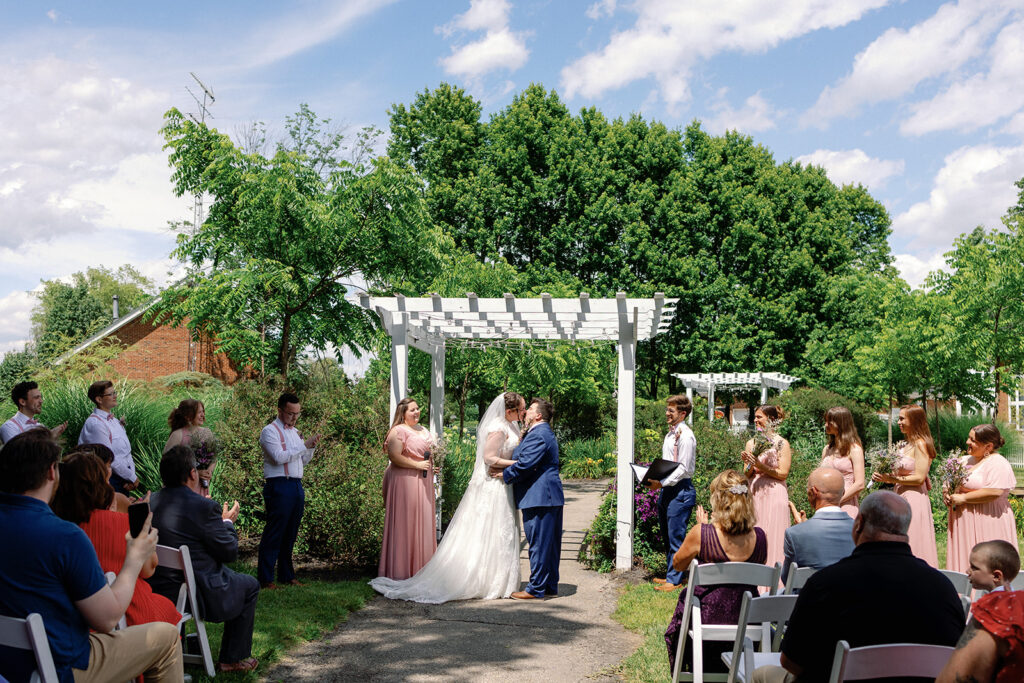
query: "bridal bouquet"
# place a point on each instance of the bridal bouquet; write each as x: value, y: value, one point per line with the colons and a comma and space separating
x: 438, y: 451
x: 953, y: 472
x: 761, y: 441
x: 204, y: 449
x: 886, y: 460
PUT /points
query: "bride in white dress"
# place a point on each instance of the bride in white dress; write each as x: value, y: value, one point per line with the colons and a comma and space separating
x: 478, y: 557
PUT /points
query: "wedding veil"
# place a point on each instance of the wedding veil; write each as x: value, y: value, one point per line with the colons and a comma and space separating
x: 493, y: 420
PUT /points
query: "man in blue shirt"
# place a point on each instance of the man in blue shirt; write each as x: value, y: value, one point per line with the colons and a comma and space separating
x: 49, y: 566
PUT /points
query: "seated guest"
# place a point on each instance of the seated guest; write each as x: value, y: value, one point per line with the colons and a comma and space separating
x: 879, y: 594
x: 185, y: 517
x: 993, y: 566
x: 729, y: 536
x: 991, y: 649
x: 825, y: 538
x: 106, y: 456
x: 83, y: 498
x: 49, y: 566
x: 27, y: 397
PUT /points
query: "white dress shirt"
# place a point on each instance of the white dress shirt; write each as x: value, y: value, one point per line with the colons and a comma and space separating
x: 102, y: 427
x: 680, y: 446
x: 284, y: 452
x: 19, y: 423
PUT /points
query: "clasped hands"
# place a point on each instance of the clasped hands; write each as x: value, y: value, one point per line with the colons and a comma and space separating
x: 749, y: 461
x: 952, y: 499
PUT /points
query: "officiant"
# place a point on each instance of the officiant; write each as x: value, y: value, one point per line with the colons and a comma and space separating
x: 678, y: 497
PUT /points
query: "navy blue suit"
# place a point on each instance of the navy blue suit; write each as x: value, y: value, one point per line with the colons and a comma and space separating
x: 537, y: 490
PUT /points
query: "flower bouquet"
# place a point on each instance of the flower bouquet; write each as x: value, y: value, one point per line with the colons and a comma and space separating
x: 762, y: 442
x: 205, y: 448
x: 953, y: 472
x: 886, y: 461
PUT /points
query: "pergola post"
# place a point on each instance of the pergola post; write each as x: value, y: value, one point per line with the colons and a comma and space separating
x: 711, y: 401
x: 689, y: 395
x: 437, y: 390
x: 626, y: 386
x: 399, y: 330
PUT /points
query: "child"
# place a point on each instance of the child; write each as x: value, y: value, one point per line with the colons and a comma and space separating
x: 993, y: 565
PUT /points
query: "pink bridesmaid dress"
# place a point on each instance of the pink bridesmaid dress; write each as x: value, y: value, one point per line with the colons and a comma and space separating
x: 409, y: 535
x: 771, y: 506
x: 991, y: 521
x: 922, y: 525
x: 845, y: 467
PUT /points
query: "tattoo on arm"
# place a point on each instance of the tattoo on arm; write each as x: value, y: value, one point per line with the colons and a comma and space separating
x: 969, y: 632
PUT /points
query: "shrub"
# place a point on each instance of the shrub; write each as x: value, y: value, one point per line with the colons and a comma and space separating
x: 955, y: 429
x: 805, y: 410
x: 597, y: 550
x: 588, y: 458
x: 456, y: 473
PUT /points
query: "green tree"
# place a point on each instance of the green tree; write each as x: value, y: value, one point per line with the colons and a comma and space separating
x: 267, y: 267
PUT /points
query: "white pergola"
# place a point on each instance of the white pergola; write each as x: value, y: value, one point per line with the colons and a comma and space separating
x: 428, y: 323
x: 707, y: 383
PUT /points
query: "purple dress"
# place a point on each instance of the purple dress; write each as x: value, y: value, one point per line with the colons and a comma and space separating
x: 718, y: 604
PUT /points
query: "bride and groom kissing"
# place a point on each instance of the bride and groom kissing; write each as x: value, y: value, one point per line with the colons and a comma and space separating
x: 478, y: 557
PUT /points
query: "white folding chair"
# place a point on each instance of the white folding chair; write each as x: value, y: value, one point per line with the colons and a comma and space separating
x: 884, y: 661
x: 797, y: 578
x: 1018, y: 582
x: 765, y: 611
x: 122, y: 622
x: 959, y: 580
x: 30, y: 634
x: 965, y: 600
x: 188, y: 604
x: 718, y: 573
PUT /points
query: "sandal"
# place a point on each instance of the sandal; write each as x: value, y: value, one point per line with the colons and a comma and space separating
x: 244, y: 665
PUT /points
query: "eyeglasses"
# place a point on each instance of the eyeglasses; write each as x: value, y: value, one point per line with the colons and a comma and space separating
x: 112, y: 394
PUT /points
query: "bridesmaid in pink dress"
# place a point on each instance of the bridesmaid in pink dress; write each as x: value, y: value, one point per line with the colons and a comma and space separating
x: 911, y: 480
x: 845, y: 453
x: 767, y: 477
x: 409, y: 534
x: 979, y: 510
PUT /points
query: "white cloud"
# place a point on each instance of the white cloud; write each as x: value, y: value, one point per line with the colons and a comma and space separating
x: 853, y: 166
x: 499, y: 48
x: 669, y: 38
x: 601, y: 8
x: 974, y: 187
x: 983, y: 98
x: 756, y: 115
x: 307, y: 27
x: 15, y: 323
x: 52, y: 14
x: 898, y: 60
x: 915, y: 270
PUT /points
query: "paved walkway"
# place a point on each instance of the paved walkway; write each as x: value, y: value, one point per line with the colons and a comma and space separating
x: 568, y: 638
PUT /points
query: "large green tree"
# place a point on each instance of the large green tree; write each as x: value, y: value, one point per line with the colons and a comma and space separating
x: 269, y: 265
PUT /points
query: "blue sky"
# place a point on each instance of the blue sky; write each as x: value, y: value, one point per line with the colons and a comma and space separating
x: 922, y: 102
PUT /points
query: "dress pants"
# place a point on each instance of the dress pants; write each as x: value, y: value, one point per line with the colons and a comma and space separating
x: 150, y: 649
x: 543, y: 529
x: 236, y: 643
x: 118, y: 483
x: 284, y: 500
x: 674, y: 507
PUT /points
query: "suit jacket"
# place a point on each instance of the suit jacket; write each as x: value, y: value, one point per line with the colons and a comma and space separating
x: 534, y: 475
x: 183, y: 517
x: 822, y: 540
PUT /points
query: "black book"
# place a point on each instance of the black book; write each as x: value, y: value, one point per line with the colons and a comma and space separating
x: 657, y: 470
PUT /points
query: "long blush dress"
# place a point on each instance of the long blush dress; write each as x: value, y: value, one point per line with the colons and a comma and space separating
x: 409, y: 539
x: 992, y: 521
x: 771, y: 505
x: 845, y: 467
x: 922, y: 525
x: 106, y: 529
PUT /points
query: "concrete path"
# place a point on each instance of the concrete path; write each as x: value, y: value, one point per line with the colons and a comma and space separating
x: 568, y: 638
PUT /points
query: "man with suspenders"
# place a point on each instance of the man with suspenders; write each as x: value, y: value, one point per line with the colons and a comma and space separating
x: 29, y: 401
x: 102, y: 427
x: 285, y: 453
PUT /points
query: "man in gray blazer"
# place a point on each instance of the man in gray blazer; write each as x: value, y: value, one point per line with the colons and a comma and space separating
x: 827, y: 537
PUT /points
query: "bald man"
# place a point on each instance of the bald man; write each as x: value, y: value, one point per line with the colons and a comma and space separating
x: 825, y: 538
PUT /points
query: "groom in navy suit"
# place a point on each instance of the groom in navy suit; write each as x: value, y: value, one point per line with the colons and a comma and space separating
x: 537, y: 490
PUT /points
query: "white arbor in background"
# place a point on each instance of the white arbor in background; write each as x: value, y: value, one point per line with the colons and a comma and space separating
x: 427, y: 324
x: 706, y: 383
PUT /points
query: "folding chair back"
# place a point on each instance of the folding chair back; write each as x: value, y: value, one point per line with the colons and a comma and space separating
x: 766, y: 611
x: 712, y: 574
x: 797, y: 578
x: 883, y: 661
x: 965, y: 600
x: 30, y: 634
x: 1018, y: 583
x: 188, y: 604
x: 959, y: 580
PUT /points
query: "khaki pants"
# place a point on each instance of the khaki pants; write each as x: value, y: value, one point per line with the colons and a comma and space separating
x: 150, y: 649
x: 772, y: 674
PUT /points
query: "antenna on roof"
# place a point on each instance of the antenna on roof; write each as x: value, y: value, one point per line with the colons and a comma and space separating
x: 200, y: 118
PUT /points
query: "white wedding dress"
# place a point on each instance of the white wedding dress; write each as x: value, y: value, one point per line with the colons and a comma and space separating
x: 478, y: 557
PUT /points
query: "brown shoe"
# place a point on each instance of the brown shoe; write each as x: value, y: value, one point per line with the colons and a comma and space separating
x: 242, y: 666
x: 293, y: 582
x: 268, y: 586
x: 668, y: 587
x: 523, y: 595
x: 659, y: 581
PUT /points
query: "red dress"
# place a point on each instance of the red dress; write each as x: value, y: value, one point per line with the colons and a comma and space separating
x: 1002, y: 614
x: 106, y: 529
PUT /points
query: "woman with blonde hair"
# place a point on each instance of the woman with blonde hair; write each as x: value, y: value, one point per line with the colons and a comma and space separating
x: 845, y: 453
x: 912, y: 482
x: 729, y: 534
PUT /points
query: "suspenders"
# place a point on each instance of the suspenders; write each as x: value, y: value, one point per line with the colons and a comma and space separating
x: 280, y: 433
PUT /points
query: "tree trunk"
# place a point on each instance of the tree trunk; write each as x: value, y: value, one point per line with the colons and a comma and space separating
x: 938, y: 427
x: 286, y: 331
x: 462, y: 404
x: 995, y: 404
x: 889, y: 409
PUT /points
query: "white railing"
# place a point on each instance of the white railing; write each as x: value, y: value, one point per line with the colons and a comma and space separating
x: 1015, y: 456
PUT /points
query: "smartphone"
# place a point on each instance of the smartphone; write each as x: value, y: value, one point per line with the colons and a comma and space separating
x: 137, y: 514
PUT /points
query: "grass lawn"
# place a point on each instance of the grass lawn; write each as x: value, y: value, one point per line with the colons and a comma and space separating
x: 287, y: 617
x: 646, y: 611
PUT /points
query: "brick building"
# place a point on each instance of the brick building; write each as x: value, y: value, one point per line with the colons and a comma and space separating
x: 153, y: 351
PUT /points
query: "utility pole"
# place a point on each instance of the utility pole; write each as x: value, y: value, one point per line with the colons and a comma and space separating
x: 200, y: 118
